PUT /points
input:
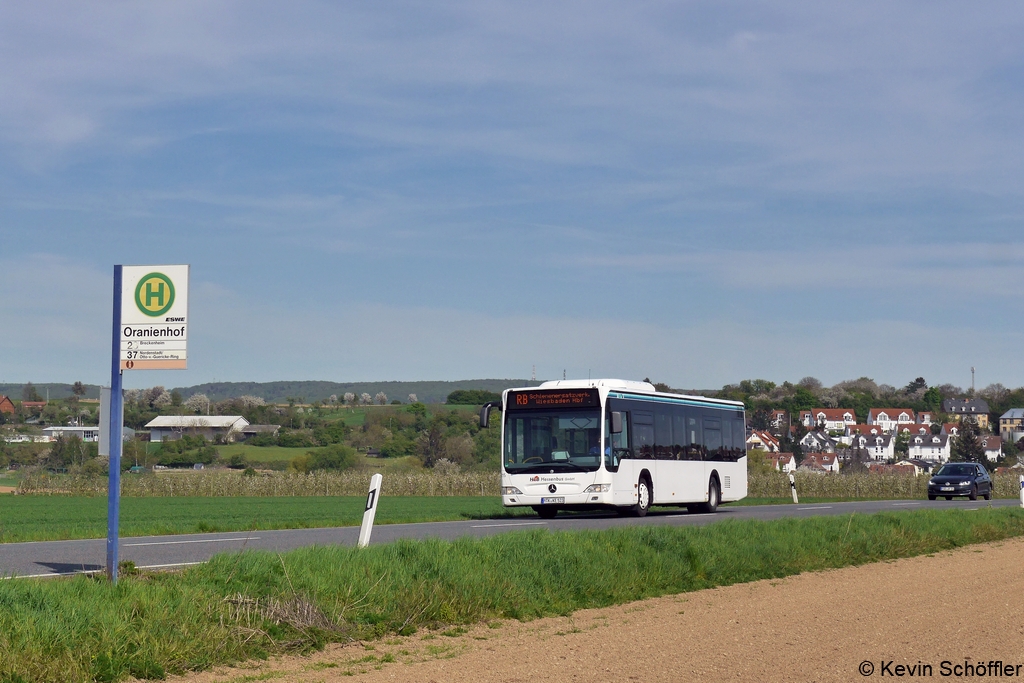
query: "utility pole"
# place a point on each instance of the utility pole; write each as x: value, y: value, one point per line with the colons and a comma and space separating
x: 972, y: 379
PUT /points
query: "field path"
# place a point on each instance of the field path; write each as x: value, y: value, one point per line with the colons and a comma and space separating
x: 961, y: 605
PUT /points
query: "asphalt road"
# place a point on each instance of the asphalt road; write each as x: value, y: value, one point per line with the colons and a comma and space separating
x: 60, y: 558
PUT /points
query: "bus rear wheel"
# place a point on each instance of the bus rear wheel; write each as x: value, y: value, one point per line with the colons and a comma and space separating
x: 643, y: 497
x: 713, y: 497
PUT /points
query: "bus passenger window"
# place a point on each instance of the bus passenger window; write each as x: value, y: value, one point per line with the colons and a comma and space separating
x: 643, y: 435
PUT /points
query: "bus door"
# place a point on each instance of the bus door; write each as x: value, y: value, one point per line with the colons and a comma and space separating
x: 618, y: 458
x: 685, y: 467
x: 714, y: 443
x: 643, y: 446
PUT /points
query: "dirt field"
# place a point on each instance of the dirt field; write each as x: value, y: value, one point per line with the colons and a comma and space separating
x: 958, y: 606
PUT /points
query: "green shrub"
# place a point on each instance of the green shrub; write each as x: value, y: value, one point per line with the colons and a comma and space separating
x: 335, y: 458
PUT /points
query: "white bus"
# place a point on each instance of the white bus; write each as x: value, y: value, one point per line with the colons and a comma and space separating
x: 591, y: 444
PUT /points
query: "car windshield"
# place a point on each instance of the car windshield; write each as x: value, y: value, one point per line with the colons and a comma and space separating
x: 562, y: 440
x: 956, y: 471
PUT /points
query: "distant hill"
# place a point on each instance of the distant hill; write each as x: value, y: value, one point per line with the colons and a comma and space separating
x: 56, y: 391
x: 307, y: 392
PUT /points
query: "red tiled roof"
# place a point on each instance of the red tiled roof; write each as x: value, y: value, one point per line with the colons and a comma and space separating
x: 863, y: 429
x: 834, y: 414
x: 892, y: 412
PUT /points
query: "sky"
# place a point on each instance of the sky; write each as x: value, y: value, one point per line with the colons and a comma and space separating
x: 694, y: 192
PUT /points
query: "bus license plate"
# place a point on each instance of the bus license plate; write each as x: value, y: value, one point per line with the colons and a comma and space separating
x: 552, y: 501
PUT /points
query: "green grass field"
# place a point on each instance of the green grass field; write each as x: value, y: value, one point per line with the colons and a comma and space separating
x: 10, y: 477
x: 262, y: 453
x: 51, y: 518
x: 41, y: 518
x: 252, y: 605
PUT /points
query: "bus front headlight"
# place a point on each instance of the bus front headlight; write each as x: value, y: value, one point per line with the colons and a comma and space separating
x: 510, y: 491
x: 598, y: 488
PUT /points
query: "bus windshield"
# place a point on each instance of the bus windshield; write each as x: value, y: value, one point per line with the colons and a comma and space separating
x: 560, y: 440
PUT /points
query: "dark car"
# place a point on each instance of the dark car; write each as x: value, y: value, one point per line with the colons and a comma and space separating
x: 960, y: 479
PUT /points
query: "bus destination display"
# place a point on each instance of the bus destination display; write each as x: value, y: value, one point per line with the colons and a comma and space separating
x: 555, y: 398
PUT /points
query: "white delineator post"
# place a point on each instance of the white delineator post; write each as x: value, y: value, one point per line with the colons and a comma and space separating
x: 1022, y: 490
x: 792, y: 486
x: 371, y: 510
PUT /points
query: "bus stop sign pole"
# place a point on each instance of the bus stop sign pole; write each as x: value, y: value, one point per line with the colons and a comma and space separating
x: 116, y: 417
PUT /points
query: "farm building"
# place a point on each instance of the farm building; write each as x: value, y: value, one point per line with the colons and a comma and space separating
x: 172, y: 427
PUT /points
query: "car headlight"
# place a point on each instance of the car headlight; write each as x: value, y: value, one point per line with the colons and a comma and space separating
x: 598, y: 488
x: 510, y: 491
x: 932, y: 482
x: 965, y: 483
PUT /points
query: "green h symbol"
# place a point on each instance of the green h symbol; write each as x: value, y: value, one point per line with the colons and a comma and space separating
x: 157, y: 294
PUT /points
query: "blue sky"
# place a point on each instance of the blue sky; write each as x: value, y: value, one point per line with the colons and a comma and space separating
x: 694, y: 192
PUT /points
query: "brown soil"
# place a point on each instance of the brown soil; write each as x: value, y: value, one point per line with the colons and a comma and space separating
x: 955, y: 606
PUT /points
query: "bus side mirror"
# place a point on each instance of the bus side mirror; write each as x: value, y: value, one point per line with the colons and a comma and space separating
x: 616, y: 422
x: 485, y: 413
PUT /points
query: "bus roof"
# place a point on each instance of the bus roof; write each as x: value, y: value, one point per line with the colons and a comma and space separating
x: 627, y: 386
x: 611, y: 384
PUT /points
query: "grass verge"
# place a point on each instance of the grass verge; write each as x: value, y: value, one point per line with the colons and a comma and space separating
x: 54, y: 518
x: 254, y: 604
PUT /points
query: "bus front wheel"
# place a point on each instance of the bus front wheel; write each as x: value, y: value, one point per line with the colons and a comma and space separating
x: 643, y: 497
x: 713, y: 497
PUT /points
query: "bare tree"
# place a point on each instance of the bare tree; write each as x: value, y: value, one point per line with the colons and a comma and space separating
x: 862, y: 385
x: 333, y: 399
x: 365, y: 399
x: 152, y: 395
x: 248, y: 401
x: 350, y: 398
x: 459, y: 449
x: 381, y: 398
x: 811, y: 383
x: 994, y: 392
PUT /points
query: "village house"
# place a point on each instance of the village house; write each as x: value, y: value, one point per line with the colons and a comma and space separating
x: 853, y: 430
x: 950, y: 428
x: 33, y: 406
x: 1011, y: 425
x: 783, y: 462
x: 875, y: 446
x: 6, y: 405
x: 779, y: 420
x: 924, y: 417
x: 917, y: 466
x: 824, y: 461
x: 914, y: 428
x: 973, y: 407
x: 833, y: 419
x: 888, y: 418
x: 817, y: 442
x: 933, y: 447
x: 763, y: 441
x: 902, y: 467
x: 993, y: 446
